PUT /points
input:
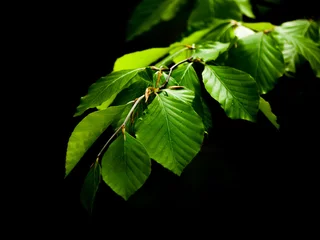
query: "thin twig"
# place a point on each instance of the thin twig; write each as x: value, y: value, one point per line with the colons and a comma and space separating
x: 122, y: 125
x: 132, y: 109
x: 171, y: 69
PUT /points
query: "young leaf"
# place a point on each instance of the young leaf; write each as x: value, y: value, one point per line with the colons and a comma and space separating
x: 235, y: 90
x: 206, y: 10
x: 87, y: 132
x: 209, y: 50
x: 106, y: 87
x: 241, y: 31
x: 179, y: 51
x: 245, y: 7
x: 265, y: 108
x: 151, y: 12
x: 128, y: 94
x: 186, y: 76
x: 183, y: 95
x: 291, y: 57
x: 295, y: 40
x: 126, y: 165
x: 140, y: 58
x: 309, y: 50
x: 107, y: 103
x: 258, y: 56
x: 90, y: 187
x: 220, y: 30
x: 259, y: 26
x: 301, y: 27
x: 171, y: 131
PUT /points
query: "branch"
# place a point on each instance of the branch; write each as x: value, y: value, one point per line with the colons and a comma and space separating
x: 171, y: 69
x: 136, y: 102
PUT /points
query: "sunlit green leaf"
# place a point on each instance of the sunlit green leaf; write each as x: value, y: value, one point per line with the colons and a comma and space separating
x: 245, y: 7
x: 291, y: 57
x: 235, y: 90
x: 301, y: 27
x: 186, y: 76
x: 241, y: 31
x: 90, y: 187
x: 209, y: 50
x: 265, y: 108
x: 125, y: 165
x: 257, y: 55
x: 309, y: 50
x: 206, y: 10
x: 140, y: 59
x: 107, y: 103
x: 259, y: 26
x: 295, y: 40
x: 179, y: 51
x: 220, y: 30
x: 171, y: 131
x: 106, y: 87
x: 151, y: 12
x: 184, y: 95
x: 87, y: 132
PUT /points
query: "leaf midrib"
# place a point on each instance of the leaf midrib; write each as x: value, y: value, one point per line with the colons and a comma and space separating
x: 169, y: 130
x: 231, y: 93
x: 259, y: 54
x: 99, y: 93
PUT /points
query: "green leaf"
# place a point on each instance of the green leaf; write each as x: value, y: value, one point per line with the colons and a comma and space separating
x: 193, y: 38
x: 300, y: 27
x: 257, y: 55
x: 241, y: 31
x: 291, y: 57
x: 151, y: 12
x: 220, y: 30
x: 90, y: 187
x: 209, y: 50
x: 309, y: 50
x: 245, y: 7
x: 265, y: 108
x: 171, y: 131
x: 126, y: 165
x: 106, y: 87
x: 235, y: 90
x: 87, y: 132
x: 186, y: 76
x: 179, y: 51
x: 206, y: 10
x: 206, y: 115
x: 140, y: 58
x: 107, y: 103
x: 131, y: 93
x: 183, y: 95
x: 259, y: 26
x: 293, y: 45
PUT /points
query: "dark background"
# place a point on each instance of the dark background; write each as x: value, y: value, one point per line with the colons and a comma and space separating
x: 241, y: 165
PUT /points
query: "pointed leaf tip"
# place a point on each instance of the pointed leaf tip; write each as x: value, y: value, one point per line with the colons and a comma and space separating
x: 126, y: 165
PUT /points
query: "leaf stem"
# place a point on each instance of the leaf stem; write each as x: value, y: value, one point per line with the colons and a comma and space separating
x: 171, y: 69
x: 136, y: 102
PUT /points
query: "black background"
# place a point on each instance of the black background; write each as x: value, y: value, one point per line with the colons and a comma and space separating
x: 242, y: 165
